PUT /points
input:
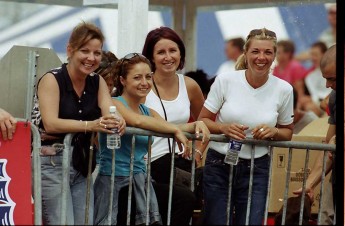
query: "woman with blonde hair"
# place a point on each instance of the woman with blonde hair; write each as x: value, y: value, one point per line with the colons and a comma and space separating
x: 247, y: 103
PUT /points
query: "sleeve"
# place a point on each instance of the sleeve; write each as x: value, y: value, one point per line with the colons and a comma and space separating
x: 285, y: 112
x: 215, y: 97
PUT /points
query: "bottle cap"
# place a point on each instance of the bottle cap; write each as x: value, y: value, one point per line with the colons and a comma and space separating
x: 112, y: 109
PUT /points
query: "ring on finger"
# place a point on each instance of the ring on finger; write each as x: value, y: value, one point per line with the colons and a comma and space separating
x: 105, y: 126
x: 261, y: 130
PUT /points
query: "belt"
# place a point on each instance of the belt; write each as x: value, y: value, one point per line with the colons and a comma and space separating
x: 219, y: 155
x: 255, y: 159
x: 52, y: 150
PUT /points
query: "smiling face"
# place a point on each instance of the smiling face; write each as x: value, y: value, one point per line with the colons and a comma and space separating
x: 87, y: 58
x: 138, y: 81
x: 166, y: 56
x: 260, y: 56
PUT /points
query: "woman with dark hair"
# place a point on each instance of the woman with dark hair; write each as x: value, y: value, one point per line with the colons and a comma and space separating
x: 134, y: 80
x: 175, y: 97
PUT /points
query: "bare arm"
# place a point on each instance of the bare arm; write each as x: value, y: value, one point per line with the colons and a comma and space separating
x: 155, y: 123
x: 48, y: 94
x: 315, y: 175
x: 196, y: 97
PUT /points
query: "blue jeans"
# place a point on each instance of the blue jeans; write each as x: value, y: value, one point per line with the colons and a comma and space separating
x: 102, y: 191
x: 51, y: 167
x: 215, y: 185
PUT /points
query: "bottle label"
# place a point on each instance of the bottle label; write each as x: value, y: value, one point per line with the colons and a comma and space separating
x: 234, y: 149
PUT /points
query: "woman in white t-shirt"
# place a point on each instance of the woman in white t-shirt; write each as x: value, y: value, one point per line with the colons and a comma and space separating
x: 248, y: 103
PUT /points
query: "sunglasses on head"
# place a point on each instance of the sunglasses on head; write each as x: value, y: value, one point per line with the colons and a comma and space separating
x: 105, y: 67
x: 131, y: 56
x: 128, y: 57
x: 262, y: 31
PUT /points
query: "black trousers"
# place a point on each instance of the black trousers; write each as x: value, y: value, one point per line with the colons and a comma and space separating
x: 183, y: 199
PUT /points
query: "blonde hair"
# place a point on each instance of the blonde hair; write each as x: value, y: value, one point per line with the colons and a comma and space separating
x: 258, y: 34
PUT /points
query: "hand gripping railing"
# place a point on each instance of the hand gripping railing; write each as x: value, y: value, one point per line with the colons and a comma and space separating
x: 136, y: 131
x: 284, y: 144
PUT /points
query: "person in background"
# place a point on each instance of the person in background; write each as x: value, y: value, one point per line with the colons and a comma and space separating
x: 176, y: 98
x: 314, y: 82
x: 202, y: 79
x: 134, y: 82
x: 106, y: 70
x: 328, y: 68
x: 7, y: 124
x: 71, y: 99
x: 247, y: 103
x: 289, y: 69
x: 301, y: 118
x: 233, y: 49
x: 328, y: 36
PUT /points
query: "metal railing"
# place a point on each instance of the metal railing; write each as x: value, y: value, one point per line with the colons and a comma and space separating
x: 220, y: 138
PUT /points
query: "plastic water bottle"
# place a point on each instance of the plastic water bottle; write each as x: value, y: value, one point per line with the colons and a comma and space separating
x: 234, y: 149
x: 113, y: 139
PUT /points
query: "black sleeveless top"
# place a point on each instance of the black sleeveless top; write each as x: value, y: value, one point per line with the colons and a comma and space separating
x: 70, y: 105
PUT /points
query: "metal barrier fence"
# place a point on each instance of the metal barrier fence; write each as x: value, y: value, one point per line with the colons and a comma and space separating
x: 220, y: 138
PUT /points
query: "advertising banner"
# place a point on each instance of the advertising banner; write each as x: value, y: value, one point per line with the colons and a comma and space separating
x: 15, y: 178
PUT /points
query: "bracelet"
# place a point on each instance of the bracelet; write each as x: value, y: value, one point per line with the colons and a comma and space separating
x: 85, y: 127
x: 199, y: 152
x: 272, y: 138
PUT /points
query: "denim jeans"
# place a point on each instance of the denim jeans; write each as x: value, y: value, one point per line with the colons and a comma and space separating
x: 102, y: 191
x: 51, y: 167
x: 215, y: 184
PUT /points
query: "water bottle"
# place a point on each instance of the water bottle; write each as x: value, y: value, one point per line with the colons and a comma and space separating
x: 234, y: 149
x: 113, y: 139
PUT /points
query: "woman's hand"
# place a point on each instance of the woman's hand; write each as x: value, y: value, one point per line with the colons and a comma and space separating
x: 106, y: 123
x: 200, y: 127
x: 264, y: 132
x: 308, y: 191
x: 331, y: 141
x: 182, y: 140
x: 234, y: 130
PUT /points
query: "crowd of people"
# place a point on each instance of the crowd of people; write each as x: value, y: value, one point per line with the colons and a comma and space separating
x: 151, y: 93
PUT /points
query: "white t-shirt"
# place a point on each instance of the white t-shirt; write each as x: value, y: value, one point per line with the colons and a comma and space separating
x: 316, y: 85
x: 236, y: 101
x: 177, y: 111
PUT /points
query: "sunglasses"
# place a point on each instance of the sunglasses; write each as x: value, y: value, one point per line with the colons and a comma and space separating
x: 131, y: 56
x: 105, y: 67
x: 260, y: 32
x: 128, y: 57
